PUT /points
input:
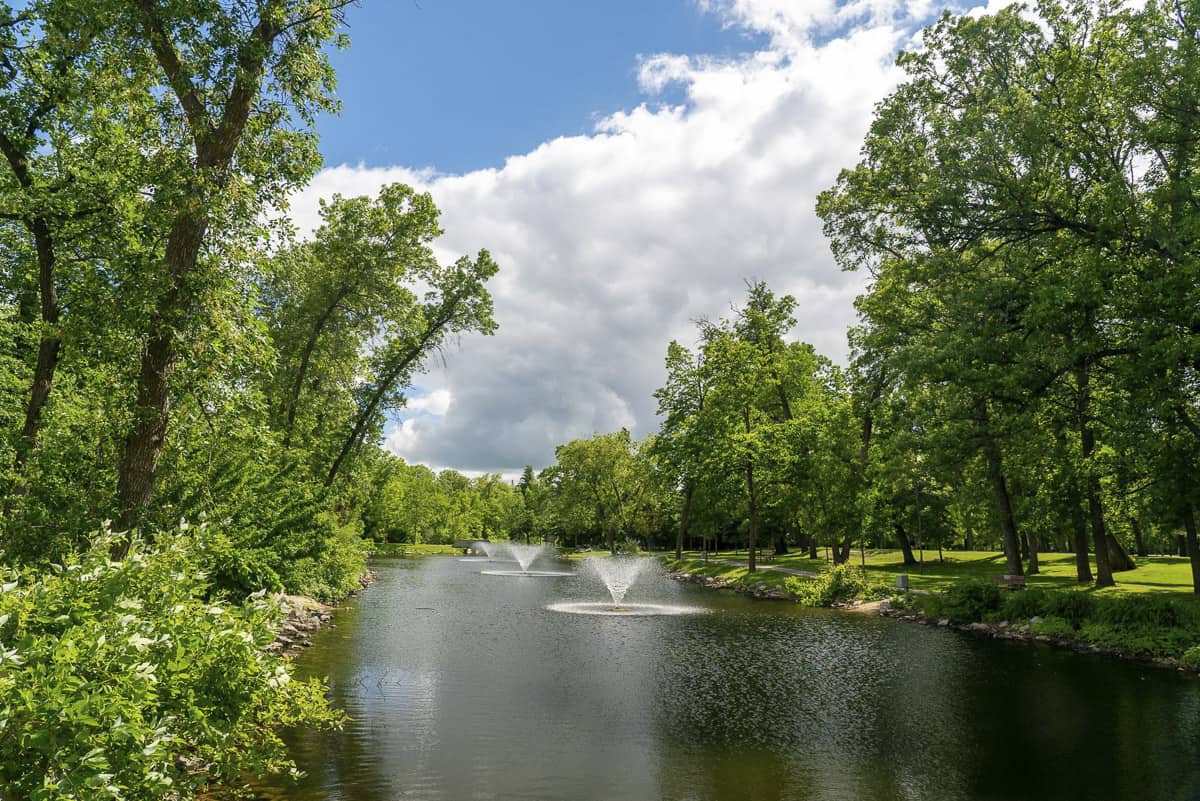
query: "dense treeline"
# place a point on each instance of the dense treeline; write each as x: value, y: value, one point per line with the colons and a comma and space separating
x: 191, y: 395
x: 412, y: 504
x: 1026, y: 374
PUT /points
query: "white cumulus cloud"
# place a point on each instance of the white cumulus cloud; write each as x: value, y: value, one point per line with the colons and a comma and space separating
x: 436, y: 402
x: 611, y: 244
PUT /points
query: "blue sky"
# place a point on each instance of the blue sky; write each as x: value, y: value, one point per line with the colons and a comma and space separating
x: 458, y: 85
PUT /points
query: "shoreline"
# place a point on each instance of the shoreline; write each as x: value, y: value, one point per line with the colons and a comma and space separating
x: 759, y: 589
x: 1002, y: 630
x: 1020, y: 632
x: 304, y: 616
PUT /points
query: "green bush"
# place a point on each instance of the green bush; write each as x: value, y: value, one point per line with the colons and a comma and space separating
x: 130, y: 679
x: 1191, y: 657
x: 972, y: 601
x: 277, y: 530
x: 1054, y: 627
x: 1071, y: 606
x: 1139, y: 640
x: 1065, y: 605
x: 1140, y: 610
x: 239, y: 571
x: 1026, y: 604
x: 331, y: 569
x: 840, y: 585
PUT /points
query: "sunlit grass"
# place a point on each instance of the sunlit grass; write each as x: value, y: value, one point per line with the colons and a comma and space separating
x: 1153, y: 574
x: 410, y: 549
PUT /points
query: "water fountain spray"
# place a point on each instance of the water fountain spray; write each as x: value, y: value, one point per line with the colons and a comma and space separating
x: 619, y: 574
x: 524, y: 554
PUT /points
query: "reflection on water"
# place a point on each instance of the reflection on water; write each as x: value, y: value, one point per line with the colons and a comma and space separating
x: 466, y: 687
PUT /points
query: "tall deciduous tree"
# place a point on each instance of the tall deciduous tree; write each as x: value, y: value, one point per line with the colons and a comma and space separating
x: 235, y: 80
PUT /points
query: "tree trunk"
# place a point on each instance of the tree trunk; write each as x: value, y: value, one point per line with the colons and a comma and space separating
x: 1118, y: 557
x: 681, y: 536
x: 46, y: 297
x: 1139, y: 543
x: 1087, y: 438
x: 1193, y: 545
x: 752, y: 535
x: 780, y: 543
x: 48, y: 351
x: 905, y: 544
x: 144, y: 443
x: 359, y: 429
x: 1083, y: 567
x: 864, y: 463
x: 846, y: 549
x: 215, y: 144
x: 1031, y: 547
x: 995, y: 471
x: 812, y: 548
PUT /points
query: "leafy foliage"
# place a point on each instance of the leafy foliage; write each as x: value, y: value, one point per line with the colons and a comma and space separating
x: 972, y: 601
x: 135, y: 679
x: 841, y: 584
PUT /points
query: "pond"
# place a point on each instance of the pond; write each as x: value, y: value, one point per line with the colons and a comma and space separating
x: 465, y: 686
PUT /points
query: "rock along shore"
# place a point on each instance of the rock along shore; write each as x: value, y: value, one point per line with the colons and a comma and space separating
x: 303, y: 615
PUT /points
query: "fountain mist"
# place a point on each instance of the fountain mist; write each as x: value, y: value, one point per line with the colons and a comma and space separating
x: 524, y: 554
x: 489, y: 548
x: 619, y: 573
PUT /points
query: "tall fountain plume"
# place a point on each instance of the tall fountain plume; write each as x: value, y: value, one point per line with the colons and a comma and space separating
x: 619, y: 573
x: 524, y: 554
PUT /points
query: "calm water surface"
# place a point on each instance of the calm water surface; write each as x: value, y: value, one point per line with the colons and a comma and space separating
x: 461, y: 687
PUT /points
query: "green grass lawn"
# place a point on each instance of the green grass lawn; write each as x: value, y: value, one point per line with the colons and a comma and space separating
x: 732, y: 573
x: 410, y: 549
x: 1153, y: 574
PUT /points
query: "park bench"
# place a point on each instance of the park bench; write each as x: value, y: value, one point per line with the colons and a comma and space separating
x: 1010, y: 582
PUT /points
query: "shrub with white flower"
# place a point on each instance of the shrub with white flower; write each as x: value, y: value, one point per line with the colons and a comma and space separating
x: 131, y: 680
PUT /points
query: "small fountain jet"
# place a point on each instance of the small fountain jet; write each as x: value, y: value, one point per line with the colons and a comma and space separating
x: 619, y: 574
x: 524, y: 554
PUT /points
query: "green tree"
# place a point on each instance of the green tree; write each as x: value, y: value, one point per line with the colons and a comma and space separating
x: 235, y: 84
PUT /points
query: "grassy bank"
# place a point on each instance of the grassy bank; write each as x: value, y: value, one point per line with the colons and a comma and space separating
x: 835, y: 586
x: 410, y: 549
x: 1154, y: 573
x: 1150, y: 614
x: 1160, y: 626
